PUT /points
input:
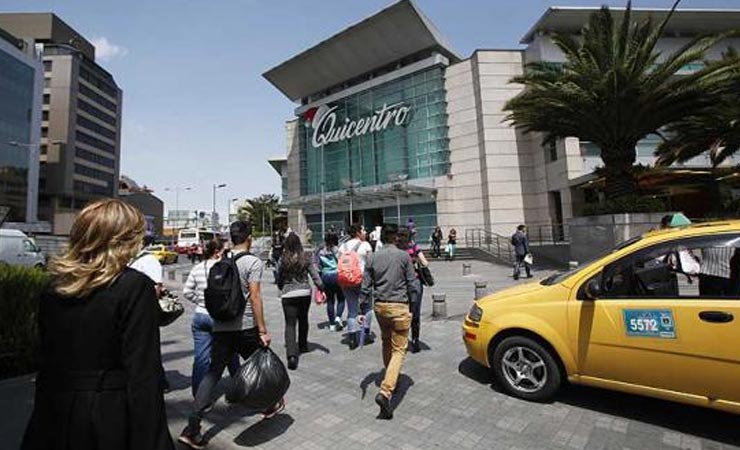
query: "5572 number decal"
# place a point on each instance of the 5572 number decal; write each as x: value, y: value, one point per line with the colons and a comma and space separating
x: 656, y: 323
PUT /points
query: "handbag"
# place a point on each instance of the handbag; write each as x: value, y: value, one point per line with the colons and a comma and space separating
x: 528, y: 258
x: 425, y: 275
x: 170, y: 309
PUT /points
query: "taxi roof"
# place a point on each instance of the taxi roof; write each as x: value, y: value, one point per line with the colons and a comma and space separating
x: 695, y: 228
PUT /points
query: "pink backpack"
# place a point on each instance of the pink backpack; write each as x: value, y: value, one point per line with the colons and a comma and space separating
x: 349, y: 268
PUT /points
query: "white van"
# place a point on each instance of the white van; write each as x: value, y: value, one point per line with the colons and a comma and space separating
x: 18, y: 249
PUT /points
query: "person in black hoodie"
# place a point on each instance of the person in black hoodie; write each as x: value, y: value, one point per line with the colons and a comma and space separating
x: 98, y: 385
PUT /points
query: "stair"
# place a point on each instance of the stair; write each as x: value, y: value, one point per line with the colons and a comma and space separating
x: 461, y: 254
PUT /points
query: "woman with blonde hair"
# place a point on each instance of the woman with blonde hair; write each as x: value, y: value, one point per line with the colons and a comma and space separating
x: 98, y: 385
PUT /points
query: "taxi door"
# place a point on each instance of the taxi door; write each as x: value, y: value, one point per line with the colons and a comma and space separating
x: 650, y: 327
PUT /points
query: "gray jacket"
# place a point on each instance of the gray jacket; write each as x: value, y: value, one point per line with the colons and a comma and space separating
x: 297, y: 280
x: 520, y: 242
x: 389, y: 276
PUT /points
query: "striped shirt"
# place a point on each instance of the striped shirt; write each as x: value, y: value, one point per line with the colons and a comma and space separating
x: 196, y: 284
x: 716, y: 261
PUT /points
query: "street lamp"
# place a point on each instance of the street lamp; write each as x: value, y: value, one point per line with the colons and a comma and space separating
x: 213, y: 212
x: 398, y: 187
x: 323, y: 200
x: 351, y: 186
x: 177, y: 200
x: 33, y: 174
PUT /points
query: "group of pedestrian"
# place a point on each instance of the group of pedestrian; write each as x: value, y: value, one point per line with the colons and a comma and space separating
x: 100, y: 382
x: 436, y: 239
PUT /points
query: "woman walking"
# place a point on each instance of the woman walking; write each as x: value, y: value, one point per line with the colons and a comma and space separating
x: 98, y: 386
x: 436, y: 241
x: 357, y: 244
x: 405, y: 242
x: 325, y: 260
x: 451, y: 244
x: 202, y: 326
x: 293, y: 271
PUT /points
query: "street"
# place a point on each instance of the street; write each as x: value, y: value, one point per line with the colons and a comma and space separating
x: 445, y: 400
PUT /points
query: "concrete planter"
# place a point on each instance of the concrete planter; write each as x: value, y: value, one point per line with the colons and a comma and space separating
x: 593, y: 235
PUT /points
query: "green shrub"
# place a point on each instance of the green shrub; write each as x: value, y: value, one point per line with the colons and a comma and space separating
x: 19, y: 291
x: 627, y: 204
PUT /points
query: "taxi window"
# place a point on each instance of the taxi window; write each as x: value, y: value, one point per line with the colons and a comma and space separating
x: 699, y: 267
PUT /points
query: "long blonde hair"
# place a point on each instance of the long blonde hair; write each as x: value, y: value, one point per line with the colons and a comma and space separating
x: 104, y: 238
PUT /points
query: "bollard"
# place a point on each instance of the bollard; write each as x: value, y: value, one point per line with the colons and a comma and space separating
x: 439, y: 306
x: 480, y: 289
x: 171, y: 275
x: 184, y: 277
x: 572, y: 264
x: 467, y: 269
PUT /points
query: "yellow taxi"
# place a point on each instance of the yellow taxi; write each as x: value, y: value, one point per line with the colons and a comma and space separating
x: 164, y: 255
x: 654, y: 316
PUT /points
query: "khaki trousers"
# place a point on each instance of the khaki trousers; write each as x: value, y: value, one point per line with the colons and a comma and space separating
x: 394, y: 320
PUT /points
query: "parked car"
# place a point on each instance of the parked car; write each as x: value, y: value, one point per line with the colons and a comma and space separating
x: 654, y: 316
x: 163, y: 254
x: 18, y: 249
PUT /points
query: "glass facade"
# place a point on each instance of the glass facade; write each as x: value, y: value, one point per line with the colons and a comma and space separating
x: 16, y: 106
x: 418, y: 148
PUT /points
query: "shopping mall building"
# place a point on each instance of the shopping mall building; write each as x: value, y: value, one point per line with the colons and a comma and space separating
x: 392, y: 123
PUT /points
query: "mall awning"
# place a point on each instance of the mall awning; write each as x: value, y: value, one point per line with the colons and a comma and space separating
x: 390, y: 35
x: 365, y: 197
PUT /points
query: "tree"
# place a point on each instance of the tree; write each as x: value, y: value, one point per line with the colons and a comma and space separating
x: 261, y: 211
x: 715, y: 129
x: 615, y: 88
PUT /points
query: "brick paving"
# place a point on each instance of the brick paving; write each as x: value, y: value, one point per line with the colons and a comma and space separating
x: 444, y: 401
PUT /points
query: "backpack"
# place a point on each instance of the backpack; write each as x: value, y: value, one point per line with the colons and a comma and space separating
x: 223, y: 295
x: 328, y: 269
x: 349, y: 268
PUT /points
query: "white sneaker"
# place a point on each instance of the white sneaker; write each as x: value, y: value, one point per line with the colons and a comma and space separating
x: 338, y: 324
x: 332, y: 327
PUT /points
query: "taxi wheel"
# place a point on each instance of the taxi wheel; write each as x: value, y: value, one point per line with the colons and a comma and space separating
x: 524, y: 368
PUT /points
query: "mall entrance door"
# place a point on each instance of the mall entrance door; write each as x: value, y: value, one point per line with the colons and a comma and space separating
x: 370, y: 218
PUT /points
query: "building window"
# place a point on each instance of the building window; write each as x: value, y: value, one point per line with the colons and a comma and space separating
x: 94, y: 157
x: 47, y: 82
x: 44, y: 132
x: 44, y: 115
x: 97, y: 98
x: 551, y: 151
x: 43, y: 149
x: 88, y: 188
x: 92, y: 126
x: 94, y: 142
x: 82, y: 105
x: 47, y: 99
x: 47, y: 66
x: 94, y: 173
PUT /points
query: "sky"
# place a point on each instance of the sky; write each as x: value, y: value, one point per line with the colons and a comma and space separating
x: 196, y: 109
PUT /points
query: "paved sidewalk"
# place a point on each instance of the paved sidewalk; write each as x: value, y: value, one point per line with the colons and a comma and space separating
x: 445, y: 400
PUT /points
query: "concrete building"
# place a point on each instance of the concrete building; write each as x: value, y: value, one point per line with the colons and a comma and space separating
x: 392, y: 123
x: 81, y: 118
x: 21, y: 84
x: 141, y: 197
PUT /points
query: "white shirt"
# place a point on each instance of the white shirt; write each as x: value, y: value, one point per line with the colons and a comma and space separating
x: 363, y: 249
x: 149, y: 265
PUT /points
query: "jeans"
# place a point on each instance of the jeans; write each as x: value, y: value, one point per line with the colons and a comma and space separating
x: 225, y: 345
x: 202, y: 328
x: 436, y: 245
x: 295, y: 310
x: 415, y: 307
x: 394, y: 320
x: 334, y: 295
x: 518, y: 266
x: 352, y: 296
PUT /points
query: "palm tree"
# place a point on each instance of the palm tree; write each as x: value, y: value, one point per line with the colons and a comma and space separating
x: 715, y: 130
x: 615, y: 88
x: 261, y: 211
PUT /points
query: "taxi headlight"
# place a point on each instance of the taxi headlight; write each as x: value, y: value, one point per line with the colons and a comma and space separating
x: 475, y: 314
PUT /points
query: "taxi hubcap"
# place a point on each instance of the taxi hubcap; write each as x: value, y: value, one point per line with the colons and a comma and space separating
x: 524, y: 369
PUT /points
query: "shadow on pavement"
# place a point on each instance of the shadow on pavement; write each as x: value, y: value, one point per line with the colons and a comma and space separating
x: 690, y: 420
x: 171, y: 356
x: 264, y: 431
x: 404, y: 384
x: 312, y: 346
x: 177, y: 381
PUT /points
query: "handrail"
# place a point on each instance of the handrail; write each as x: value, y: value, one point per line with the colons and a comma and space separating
x: 489, y: 242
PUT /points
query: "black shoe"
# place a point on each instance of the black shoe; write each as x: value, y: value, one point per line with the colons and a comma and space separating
x: 353, y: 338
x: 415, y: 347
x: 292, y: 362
x: 529, y: 275
x: 192, y: 438
x: 304, y: 349
x: 385, y: 407
x: 369, y: 337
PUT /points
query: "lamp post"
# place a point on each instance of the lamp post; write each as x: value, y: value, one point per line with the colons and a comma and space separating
x: 323, y: 202
x: 213, y: 211
x: 397, y: 187
x: 351, y: 186
x: 33, y: 174
x: 177, y: 201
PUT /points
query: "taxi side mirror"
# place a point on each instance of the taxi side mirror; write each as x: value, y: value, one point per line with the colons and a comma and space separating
x: 593, y: 289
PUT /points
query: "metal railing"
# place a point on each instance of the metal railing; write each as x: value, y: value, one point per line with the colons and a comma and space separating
x: 494, y: 244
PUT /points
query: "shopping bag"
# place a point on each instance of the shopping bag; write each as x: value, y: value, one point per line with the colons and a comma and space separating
x: 528, y: 258
x: 170, y: 309
x: 261, y: 382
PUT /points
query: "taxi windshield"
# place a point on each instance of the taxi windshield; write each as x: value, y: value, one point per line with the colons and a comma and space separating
x: 562, y: 275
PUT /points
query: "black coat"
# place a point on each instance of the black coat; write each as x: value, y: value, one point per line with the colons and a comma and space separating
x: 113, y: 332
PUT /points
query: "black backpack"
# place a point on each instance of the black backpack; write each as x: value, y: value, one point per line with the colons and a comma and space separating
x: 223, y: 294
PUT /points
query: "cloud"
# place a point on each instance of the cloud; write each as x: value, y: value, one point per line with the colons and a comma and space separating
x: 106, y: 51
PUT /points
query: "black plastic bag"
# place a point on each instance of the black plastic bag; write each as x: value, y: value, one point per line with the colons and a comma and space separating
x: 261, y: 382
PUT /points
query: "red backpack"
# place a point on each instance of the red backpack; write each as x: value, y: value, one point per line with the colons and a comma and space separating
x: 349, y: 268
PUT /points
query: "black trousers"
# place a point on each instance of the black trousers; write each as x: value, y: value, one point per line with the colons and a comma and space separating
x: 295, y: 310
x: 713, y: 286
x: 225, y: 345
